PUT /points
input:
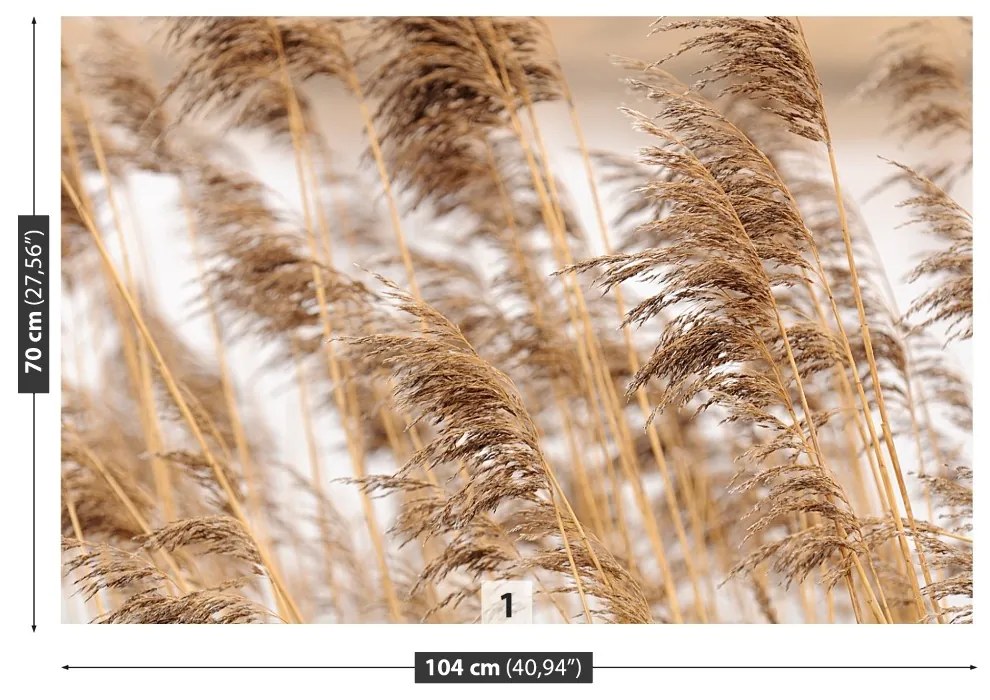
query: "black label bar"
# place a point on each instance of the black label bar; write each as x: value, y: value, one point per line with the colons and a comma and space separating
x: 503, y: 667
x: 32, y: 304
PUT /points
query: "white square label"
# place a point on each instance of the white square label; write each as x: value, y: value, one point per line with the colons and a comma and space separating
x: 507, y: 602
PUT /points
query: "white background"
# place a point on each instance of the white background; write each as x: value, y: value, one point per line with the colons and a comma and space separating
x: 32, y: 661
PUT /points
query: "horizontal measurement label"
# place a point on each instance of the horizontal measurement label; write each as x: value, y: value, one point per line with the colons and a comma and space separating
x: 32, y: 304
x: 508, y: 667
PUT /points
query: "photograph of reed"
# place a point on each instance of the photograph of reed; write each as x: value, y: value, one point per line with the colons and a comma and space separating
x: 670, y: 318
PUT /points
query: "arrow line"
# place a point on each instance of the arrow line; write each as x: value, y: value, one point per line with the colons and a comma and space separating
x: 240, y: 668
x: 34, y: 521
x: 665, y: 668
x: 34, y: 210
x: 803, y: 668
x: 34, y: 111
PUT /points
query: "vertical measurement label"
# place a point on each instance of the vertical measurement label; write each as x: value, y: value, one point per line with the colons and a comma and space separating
x: 32, y: 304
x: 508, y: 667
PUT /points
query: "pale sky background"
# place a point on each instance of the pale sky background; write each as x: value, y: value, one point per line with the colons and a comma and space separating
x: 843, y: 49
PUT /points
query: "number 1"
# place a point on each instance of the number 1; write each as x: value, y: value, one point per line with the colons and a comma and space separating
x: 507, y: 597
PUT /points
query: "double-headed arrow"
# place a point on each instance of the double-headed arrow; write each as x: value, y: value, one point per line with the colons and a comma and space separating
x: 34, y: 467
x: 662, y: 668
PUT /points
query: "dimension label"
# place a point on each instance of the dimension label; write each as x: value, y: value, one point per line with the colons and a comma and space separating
x: 504, y: 667
x: 32, y: 304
